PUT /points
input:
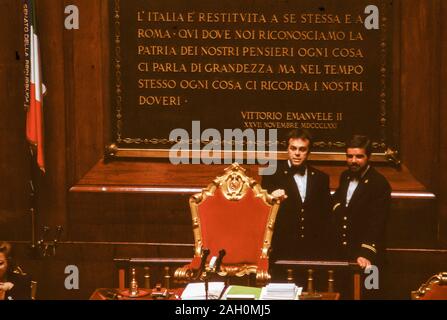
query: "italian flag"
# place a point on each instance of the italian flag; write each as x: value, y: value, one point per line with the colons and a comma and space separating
x: 34, y: 116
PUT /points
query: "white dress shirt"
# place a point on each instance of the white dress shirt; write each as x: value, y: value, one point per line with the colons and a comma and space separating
x: 301, y: 182
x: 352, y: 186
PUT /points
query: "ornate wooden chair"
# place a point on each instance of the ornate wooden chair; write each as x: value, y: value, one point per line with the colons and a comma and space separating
x: 434, y: 289
x: 235, y: 214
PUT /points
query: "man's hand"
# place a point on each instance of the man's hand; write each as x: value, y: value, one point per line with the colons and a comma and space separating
x: 279, y: 193
x: 363, y: 262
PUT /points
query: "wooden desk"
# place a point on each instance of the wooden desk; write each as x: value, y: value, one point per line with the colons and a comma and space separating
x: 99, y: 294
x: 325, y: 296
x: 122, y: 294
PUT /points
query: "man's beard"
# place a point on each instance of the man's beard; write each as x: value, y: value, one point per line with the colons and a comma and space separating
x: 355, y: 171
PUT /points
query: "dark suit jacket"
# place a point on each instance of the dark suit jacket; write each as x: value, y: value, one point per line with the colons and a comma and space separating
x: 301, y: 229
x: 361, y: 224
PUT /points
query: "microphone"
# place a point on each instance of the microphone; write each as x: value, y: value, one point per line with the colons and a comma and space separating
x: 219, y: 259
x: 205, y: 254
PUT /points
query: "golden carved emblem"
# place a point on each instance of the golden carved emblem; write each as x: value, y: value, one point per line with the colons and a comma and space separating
x: 234, y: 183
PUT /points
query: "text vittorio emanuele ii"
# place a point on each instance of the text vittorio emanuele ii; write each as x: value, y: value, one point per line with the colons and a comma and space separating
x: 294, y: 52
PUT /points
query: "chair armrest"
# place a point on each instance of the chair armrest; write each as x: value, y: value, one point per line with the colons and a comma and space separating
x: 262, y: 273
x: 187, y: 272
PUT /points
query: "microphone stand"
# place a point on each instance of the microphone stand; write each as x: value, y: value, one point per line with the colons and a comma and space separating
x: 202, y: 274
x: 205, y: 254
x: 207, y: 275
x: 219, y: 260
x: 206, y: 288
x: 215, y: 264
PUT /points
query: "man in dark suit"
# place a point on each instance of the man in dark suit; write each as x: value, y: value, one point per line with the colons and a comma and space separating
x: 301, y: 227
x: 361, y: 206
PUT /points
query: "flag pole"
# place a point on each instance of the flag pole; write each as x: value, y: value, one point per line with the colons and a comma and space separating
x: 34, y: 248
x: 27, y: 43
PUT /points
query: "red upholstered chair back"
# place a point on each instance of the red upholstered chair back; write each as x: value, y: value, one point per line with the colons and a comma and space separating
x: 239, y: 226
x: 235, y: 214
x: 434, y: 289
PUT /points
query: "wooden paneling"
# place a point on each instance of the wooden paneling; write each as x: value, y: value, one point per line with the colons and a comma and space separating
x: 420, y: 62
x: 85, y: 77
x: 442, y: 172
x: 130, y: 217
x: 137, y: 174
x: 14, y: 159
x: 412, y: 224
x: 52, y: 195
x: 408, y: 269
